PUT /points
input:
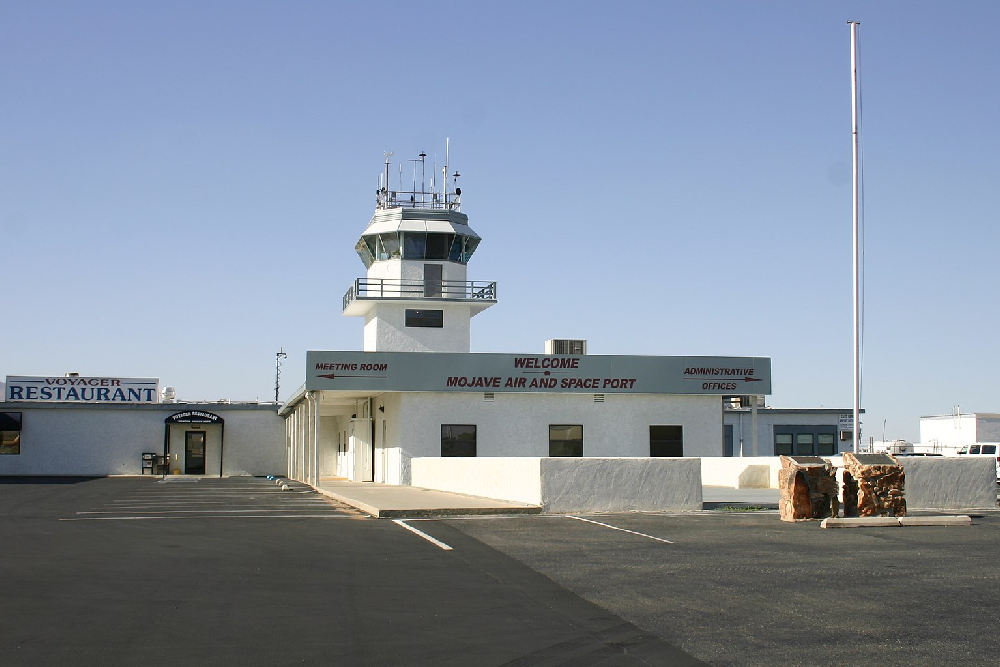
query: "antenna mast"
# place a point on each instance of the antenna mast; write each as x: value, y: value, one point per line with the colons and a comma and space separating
x: 277, y: 371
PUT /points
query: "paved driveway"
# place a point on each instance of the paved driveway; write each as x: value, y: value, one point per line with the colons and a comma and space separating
x: 139, y: 571
x: 747, y: 589
x: 134, y: 571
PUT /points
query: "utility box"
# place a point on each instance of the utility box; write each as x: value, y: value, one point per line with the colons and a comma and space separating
x: 874, y: 485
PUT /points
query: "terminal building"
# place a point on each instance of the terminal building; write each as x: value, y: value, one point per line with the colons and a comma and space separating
x: 416, y: 389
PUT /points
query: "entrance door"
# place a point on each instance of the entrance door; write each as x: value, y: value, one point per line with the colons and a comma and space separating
x: 194, y: 452
x: 432, y: 279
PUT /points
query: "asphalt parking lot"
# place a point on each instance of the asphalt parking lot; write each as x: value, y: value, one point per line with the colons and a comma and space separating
x: 747, y: 589
x: 140, y: 571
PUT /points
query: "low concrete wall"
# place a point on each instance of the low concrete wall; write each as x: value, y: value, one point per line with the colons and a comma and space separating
x: 946, y: 482
x: 746, y: 472
x: 517, y: 479
x: 620, y: 484
x: 569, y: 484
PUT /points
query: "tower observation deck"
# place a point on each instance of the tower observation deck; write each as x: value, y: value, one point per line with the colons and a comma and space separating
x: 416, y: 249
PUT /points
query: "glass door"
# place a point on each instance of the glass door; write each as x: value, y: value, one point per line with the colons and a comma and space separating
x: 194, y: 453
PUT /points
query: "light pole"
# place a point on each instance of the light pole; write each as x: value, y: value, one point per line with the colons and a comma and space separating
x: 277, y: 371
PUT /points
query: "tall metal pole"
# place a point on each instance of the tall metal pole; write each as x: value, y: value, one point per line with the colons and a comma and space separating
x: 856, y: 427
x: 277, y: 371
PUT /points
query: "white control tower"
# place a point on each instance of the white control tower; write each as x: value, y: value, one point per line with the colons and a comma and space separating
x: 415, y: 297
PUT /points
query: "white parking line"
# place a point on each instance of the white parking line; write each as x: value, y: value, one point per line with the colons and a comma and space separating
x: 624, y: 530
x: 422, y: 534
x: 214, y: 516
x: 137, y: 511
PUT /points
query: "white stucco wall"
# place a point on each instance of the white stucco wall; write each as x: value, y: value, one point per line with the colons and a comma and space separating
x: 746, y: 472
x: 88, y: 439
x: 517, y: 424
x: 394, y: 269
x: 517, y: 479
x: 385, y: 330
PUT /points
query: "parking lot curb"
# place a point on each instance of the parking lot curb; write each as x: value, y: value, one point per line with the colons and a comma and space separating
x: 896, y: 521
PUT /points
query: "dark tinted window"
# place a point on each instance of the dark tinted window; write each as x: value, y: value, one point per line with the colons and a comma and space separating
x: 566, y: 440
x: 458, y: 439
x: 666, y: 441
x: 438, y: 246
x: 425, y: 318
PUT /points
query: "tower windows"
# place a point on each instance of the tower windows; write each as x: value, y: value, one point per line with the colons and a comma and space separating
x: 439, y: 246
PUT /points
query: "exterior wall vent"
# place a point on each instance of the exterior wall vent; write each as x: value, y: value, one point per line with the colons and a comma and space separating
x: 565, y: 346
x: 488, y: 397
x: 598, y: 398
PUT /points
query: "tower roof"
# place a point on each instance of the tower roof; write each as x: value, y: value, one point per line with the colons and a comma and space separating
x: 419, y: 220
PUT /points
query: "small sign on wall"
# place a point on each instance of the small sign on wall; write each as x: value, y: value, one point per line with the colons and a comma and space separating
x: 845, y: 423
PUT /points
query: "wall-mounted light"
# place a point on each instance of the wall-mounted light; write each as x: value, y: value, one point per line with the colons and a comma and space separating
x: 381, y: 408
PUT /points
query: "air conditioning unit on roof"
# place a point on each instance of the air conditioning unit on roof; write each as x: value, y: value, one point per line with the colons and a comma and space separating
x: 565, y: 346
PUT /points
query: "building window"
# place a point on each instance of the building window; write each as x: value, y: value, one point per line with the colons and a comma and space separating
x: 666, y: 441
x: 433, y: 319
x: 458, y: 439
x: 805, y: 440
x: 566, y: 440
x: 10, y: 432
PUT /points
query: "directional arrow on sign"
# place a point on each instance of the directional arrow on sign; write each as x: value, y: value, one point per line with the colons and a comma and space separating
x: 332, y: 376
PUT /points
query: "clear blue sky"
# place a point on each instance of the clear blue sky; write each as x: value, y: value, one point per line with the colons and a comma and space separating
x: 182, y: 184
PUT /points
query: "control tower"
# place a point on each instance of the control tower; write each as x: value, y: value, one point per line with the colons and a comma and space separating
x: 416, y: 248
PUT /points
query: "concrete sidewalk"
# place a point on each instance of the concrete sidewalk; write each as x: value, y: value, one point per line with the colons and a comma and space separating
x: 388, y: 500
x: 714, y: 497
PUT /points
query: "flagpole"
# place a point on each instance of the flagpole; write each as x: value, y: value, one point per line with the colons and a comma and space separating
x: 856, y: 426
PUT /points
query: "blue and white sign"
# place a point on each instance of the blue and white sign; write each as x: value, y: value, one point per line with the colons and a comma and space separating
x: 75, y: 389
x: 441, y: 371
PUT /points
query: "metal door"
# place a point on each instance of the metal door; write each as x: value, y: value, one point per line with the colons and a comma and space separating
x: 194, y: 452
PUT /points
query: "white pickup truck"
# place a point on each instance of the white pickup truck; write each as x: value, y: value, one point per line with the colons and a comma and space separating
x: 983, y: 449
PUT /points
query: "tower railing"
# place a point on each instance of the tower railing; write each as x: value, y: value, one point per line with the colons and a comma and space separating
x: 395, y: 288
x: 416, y: 199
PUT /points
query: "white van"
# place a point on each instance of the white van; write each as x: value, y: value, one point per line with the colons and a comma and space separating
x: 983, y: 449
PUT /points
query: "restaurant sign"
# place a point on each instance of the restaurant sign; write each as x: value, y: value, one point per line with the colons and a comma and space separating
x: 76, y: 389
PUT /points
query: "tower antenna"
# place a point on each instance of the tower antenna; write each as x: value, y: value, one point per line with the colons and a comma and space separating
x: 277, y: 371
